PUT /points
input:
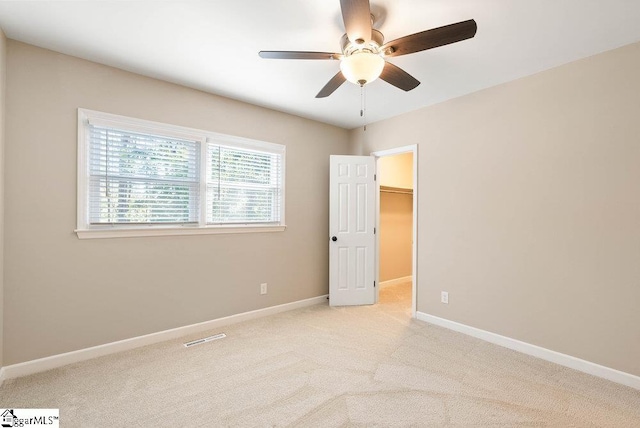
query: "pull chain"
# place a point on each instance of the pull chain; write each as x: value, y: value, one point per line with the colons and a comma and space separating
x: 363, y: 100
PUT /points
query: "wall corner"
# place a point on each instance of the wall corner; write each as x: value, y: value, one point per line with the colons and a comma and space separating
x: 356, y: 141
x: 3, y: 97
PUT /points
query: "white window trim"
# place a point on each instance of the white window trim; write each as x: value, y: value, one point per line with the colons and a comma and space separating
x: 86, y: 231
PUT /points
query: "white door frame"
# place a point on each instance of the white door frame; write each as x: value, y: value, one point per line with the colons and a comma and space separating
x: 414, y: 246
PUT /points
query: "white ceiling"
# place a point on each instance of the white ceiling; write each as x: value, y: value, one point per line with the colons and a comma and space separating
x: 213, y: 45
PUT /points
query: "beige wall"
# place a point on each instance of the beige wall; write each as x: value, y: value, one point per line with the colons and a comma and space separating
x: 396, y: 229
x: 63, y: 294
x: 529, y: 214
x: 3, y: 68
x: 396, y: 170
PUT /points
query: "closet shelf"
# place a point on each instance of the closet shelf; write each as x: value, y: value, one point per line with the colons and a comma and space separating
x: 401, y: 190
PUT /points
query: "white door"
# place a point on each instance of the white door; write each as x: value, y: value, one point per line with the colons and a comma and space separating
x: 351, y: 229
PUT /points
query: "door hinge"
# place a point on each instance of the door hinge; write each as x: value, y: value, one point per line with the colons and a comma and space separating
x: 374, y: 284
x: 374, y: 230
x: 375, y: 177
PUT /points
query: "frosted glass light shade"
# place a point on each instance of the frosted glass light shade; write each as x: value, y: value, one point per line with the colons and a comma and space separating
x: 362, y: 67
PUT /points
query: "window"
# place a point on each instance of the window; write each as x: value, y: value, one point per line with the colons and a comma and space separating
x: 139, y: 178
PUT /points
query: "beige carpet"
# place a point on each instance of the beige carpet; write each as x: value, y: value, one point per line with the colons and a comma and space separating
x: 359, y: 366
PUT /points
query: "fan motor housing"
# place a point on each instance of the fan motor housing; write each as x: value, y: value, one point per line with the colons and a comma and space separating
x: 348, y: 47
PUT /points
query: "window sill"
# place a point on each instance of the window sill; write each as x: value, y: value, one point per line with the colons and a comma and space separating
x: 172, y: 231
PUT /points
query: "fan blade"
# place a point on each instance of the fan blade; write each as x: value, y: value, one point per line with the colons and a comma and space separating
x: 298, y: 55
x: 356, y: 15
x: 332, y: 85
x: 398, y: 77
x: 431, y: 38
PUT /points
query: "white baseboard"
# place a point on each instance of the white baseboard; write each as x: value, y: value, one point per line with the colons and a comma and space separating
x: 395, y: 281
x: 1, y: 375
x: 54, y: 361
x: 536, y: 351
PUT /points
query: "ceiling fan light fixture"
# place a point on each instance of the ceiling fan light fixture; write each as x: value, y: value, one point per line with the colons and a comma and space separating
x: 362, y: 67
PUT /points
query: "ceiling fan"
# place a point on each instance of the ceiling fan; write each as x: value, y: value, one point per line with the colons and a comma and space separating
x: 363, y: 49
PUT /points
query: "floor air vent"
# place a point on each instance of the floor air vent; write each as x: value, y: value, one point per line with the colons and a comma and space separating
x: 205, y: 340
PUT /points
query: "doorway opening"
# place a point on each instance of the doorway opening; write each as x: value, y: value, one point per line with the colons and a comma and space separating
x: 396, y: 212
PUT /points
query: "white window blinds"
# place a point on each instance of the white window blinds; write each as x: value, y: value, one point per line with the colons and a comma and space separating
x: 139, y: 178
x: 243, y: 186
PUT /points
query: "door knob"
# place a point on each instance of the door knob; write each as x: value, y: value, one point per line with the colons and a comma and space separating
x: 334, y: 239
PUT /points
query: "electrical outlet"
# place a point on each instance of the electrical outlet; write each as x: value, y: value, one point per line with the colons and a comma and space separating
x: 444, y: 297
x: 263, y: 288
